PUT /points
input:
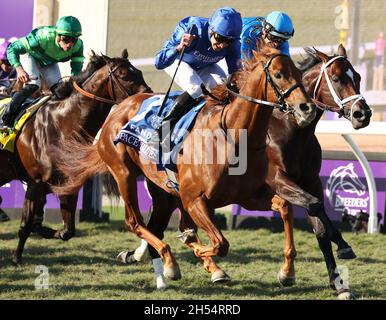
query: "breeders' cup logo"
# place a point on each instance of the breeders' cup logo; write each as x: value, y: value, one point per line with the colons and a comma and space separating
x: 346, y: 191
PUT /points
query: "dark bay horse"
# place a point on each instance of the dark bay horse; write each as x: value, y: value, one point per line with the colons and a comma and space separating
x: 105, y: 82
x: 295, y: 159
x: 271, y: 77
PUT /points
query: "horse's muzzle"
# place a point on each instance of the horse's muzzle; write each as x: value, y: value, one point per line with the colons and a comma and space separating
x: 304, y: 114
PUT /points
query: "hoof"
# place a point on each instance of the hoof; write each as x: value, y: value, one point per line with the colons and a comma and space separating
x: 126, y: 257
x: 172, y: 273
x: 44, y: 232
x: 346, y: 254
x: 220, y: 276
x: 284, y: 280
x: 346, y: 295
x: 17, y: 262
x: 161, y: 282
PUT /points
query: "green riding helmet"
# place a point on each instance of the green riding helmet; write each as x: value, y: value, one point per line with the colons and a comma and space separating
x: 69, y: 26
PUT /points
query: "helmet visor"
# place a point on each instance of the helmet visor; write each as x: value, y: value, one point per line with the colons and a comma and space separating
x: 271, y: 30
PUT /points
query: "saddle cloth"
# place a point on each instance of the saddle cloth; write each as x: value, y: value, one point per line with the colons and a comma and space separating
x: 138, y: 131
x: 7, y: 139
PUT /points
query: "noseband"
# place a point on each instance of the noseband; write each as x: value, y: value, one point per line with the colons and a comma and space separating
x: 280, y: 94
x: 341, y: 103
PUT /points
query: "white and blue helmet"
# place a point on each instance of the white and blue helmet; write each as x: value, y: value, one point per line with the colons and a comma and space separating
x: 226, y: 22
x: 279, y: 24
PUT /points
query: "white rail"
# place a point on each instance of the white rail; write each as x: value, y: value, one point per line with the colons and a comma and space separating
x: 346, y: 130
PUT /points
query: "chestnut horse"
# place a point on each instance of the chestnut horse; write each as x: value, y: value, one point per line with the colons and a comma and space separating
x: 105, y: 82
x: 295, y: 160
x: 270, y: 77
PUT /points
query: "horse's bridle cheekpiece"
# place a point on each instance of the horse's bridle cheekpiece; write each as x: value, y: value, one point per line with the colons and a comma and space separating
x: 281, y: 96
x: 341, y: 103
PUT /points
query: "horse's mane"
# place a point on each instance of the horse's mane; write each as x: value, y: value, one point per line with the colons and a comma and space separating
x: 65, y: 88
x: 240, y: 77
x: 308, y: 61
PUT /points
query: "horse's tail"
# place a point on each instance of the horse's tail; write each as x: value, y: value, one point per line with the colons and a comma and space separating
x: 78, y: 161
x: 110, y: 186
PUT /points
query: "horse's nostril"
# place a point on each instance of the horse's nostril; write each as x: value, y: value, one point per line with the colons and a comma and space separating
x: 304, y: 107
x: 358, y: 114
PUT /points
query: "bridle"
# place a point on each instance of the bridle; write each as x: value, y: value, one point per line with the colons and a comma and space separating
x: 280, y: 94
x: 341, y: 103
x: 110, y: 87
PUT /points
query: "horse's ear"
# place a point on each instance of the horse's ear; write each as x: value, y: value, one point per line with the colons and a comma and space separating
x: 93, y: 54
x: 105, y: 58
x: 259, y: 44
x: 322, y: 56
x: 125, y: 54
x: 342, y: 51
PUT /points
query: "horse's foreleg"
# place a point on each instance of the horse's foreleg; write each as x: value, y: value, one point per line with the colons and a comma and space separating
x: 33, y: 191
x: 67, y: 208
x: 203, y: 217
x: 344, y: 250
x: 191, y: 239
x: 290, y: 191
x: 336, y: 281
x: 286, y: 274
x: 37, y: 224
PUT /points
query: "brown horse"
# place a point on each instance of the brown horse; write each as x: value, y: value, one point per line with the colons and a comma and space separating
x: 295, y: 159
x: 270, y: 77
x: 106, y: 81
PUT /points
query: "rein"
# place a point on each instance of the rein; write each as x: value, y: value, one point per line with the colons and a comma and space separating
x: 112, y: 78
x: 282, y: 105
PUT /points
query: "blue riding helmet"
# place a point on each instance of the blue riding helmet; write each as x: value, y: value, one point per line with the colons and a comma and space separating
x: 279, y: 24
x: 226, y: 22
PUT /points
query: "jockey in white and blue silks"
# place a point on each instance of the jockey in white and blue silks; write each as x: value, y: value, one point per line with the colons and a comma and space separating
x: 275, y: 30
x: 211, y: 40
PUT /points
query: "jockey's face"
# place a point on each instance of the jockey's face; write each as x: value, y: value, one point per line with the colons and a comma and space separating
x: 66, y: 43
x: 218, y: 42
x: 272, y: 41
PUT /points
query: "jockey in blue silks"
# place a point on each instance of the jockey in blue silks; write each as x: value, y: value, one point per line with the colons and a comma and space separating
x: 210, y: 41
x: 275, y: 30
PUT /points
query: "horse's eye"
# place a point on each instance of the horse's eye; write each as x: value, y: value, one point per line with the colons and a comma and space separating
x: 335, y: 78
x: 278, y: 75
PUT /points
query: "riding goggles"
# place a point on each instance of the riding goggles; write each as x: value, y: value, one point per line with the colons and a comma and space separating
x: 68, y: 39
x: 221, y: 39
x: 278, y: 40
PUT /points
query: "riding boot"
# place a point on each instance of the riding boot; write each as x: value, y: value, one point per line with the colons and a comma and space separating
x: 181, y: 106
x: 15, y: 106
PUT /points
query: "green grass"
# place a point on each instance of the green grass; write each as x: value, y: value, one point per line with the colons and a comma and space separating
x: 85, y: 267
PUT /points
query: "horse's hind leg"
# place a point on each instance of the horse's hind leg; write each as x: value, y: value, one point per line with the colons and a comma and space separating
x: 190, y: 238
x: 286, y: 274
x: 127, y: 185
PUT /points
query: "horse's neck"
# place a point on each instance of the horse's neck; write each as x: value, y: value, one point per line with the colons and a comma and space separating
x: 93, y: 112
x: 253, y: 117
x: 309, y: 82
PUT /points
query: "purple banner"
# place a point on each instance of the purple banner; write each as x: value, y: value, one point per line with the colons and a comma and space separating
x: 13, y: 196
x: 345, y: 188
x: 16, y: 18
